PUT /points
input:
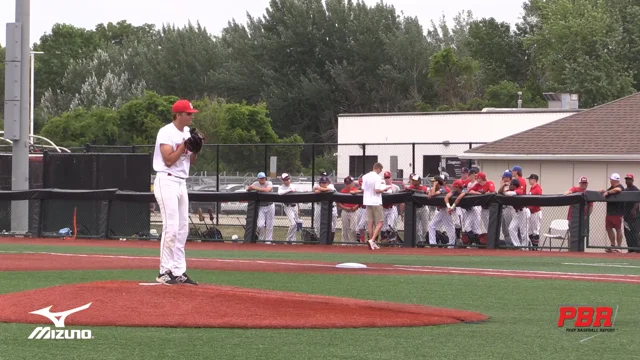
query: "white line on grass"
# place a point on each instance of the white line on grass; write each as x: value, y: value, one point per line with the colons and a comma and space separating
x: 621, y: 265
x: 416, y: 268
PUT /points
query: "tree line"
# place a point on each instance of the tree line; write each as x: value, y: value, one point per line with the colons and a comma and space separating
x: 303, y: 62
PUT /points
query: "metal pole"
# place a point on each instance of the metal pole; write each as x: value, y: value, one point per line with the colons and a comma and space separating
x: 32, y: 56
x: 20, y: 156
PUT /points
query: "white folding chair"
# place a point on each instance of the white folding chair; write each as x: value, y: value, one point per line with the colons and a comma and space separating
x: 559, y: 229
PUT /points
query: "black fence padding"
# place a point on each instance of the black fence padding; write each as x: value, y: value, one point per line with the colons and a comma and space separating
x: 35, y: 182
x: 91, y: 172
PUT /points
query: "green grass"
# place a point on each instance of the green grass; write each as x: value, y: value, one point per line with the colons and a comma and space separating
x: 522, y: 325
x: 489, y: 262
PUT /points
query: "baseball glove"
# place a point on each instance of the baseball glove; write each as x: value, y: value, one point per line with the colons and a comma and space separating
x: 194, y: 143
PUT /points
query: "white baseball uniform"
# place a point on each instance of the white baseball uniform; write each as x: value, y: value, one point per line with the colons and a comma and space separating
x: 170, y: 190
x: 291, y: 210
x: 519, y: 223
x: 318, y: 209
x: 507, y: 216
x: 266, y: 214
x: 391, y: 213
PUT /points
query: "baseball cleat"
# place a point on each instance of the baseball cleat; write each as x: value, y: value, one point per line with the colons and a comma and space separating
x: 372, y: 245
x: 184, y: 279
x: 166, y: 278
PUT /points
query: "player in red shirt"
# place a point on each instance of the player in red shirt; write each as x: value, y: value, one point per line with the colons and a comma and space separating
x: 519, y: 222
x: 517, y: 174
x: 581, y: 188
x: 443, y: 217
x: 483, y: 186
x: 535, y: 216
x: 422, y: 211
x: 349, y: 213
x: 361, y: 214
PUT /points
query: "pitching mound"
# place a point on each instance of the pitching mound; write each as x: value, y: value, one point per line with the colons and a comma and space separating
x: 126, y: 303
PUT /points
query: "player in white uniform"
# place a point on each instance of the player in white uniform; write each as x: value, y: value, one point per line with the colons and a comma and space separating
x: 390, y: 211
x: 267, y: 211
x: 507, y: 211
x: 175, y: 150
x: 324, y: 185
x: 290, y: 209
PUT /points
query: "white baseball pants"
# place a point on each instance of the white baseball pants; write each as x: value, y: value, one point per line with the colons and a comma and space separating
x: 472, y: 221
x: 422, y: 223
x: 458, y: 215
x: 349, y: 225
x: 534, y: 223
x: 442, y: 219
x: 173, y: 200
x: 507, y: 216
x: 390, y: 218
x: 316, y: 218
x: 292, y: 215
x: 521, y: 223
x: 266, y: 214
x: 484, y: 216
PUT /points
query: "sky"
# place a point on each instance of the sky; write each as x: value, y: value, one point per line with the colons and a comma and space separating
x: 87, y: 14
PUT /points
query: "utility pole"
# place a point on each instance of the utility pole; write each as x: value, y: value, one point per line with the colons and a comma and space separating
x: 16, y: 113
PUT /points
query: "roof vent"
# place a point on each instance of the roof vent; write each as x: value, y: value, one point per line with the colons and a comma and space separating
x: 563, y: 101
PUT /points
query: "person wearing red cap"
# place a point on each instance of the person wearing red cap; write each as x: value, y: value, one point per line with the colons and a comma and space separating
x: 390, y: 211
x: 631, y: 230
x: 581, y: 188
x: 171, y: 161
x: 535, y: 212
x: 422, y: 211
x: 483, y: 186
x: 349, y: 213
x: 444, y: 216
x: 615, y: 212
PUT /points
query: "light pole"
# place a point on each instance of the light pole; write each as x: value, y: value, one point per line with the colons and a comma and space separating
x: 32, y: 56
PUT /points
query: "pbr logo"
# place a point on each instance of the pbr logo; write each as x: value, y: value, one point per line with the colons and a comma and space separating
x: 57, y: 318
x: 587, y: 318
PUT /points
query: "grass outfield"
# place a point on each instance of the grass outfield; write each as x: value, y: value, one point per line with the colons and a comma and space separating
x: 522, y: 325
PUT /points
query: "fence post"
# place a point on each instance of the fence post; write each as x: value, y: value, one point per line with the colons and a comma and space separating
x: 413, y: 158
x: 364, y: 157
x: 495, y: 221
x: 218, y: 182
x: 409, y: 223
x: 577, y: 227
x: 325, y: 222
x: 252, y: 221
x: 266, y: 159
x: 313, y: 181
x: 133, y: 149
x: 87, y: 148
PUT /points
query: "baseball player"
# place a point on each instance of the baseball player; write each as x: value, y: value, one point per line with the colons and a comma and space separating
x: 324, y: 185
x: 517, y: 174
x: 290, y: 209
x: 390, y: 211
x: 483, y: 186
x: 267, y: 211
x: 444, y: 217
x: 535, y: 217
x: 422, y: 211
x: 177, y: 147
x: 361, y: 215
x: 507, y: 211
x: 519, y: 222
x: 349, y: 215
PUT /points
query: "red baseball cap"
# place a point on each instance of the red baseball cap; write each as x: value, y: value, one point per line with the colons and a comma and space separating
x: 457, y: 183
x: 183, y: 106
x: 629, y: 176
x: 584, y: 179
x: 387, y: 174
x: 482, y: 176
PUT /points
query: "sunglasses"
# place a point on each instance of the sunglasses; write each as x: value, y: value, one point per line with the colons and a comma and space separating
x: 387, y: 177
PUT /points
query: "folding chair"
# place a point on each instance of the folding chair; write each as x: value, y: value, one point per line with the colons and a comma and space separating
x: 559, y: 229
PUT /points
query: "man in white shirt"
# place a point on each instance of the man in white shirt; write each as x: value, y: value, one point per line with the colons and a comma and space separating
x: 290, y: 208
x: 372, y: 188
x: 267, y: 211
x: 174, y: 152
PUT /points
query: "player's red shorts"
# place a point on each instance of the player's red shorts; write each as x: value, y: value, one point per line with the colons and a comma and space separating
x: 613, y: 222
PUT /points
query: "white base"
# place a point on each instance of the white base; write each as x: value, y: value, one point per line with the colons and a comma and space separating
x: 351, y: 266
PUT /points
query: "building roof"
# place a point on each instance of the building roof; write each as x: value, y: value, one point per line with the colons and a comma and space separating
x: 483, y: 111
x: 606, y: 131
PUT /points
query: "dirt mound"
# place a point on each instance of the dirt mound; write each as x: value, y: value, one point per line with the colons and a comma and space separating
x: 126, y: 303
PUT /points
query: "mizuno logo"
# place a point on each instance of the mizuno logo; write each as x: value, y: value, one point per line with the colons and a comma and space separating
x: 62, y: 315
x: 58, y: 318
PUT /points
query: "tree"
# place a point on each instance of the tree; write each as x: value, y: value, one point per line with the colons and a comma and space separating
x: 97, y: 126
x: 141, y: 118
x: 579, y: 43
x: 499, y: 52
x: 454, y: 78
x: 505, y: 95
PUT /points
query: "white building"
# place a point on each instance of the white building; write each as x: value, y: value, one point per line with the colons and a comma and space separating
x: 439, y: 137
